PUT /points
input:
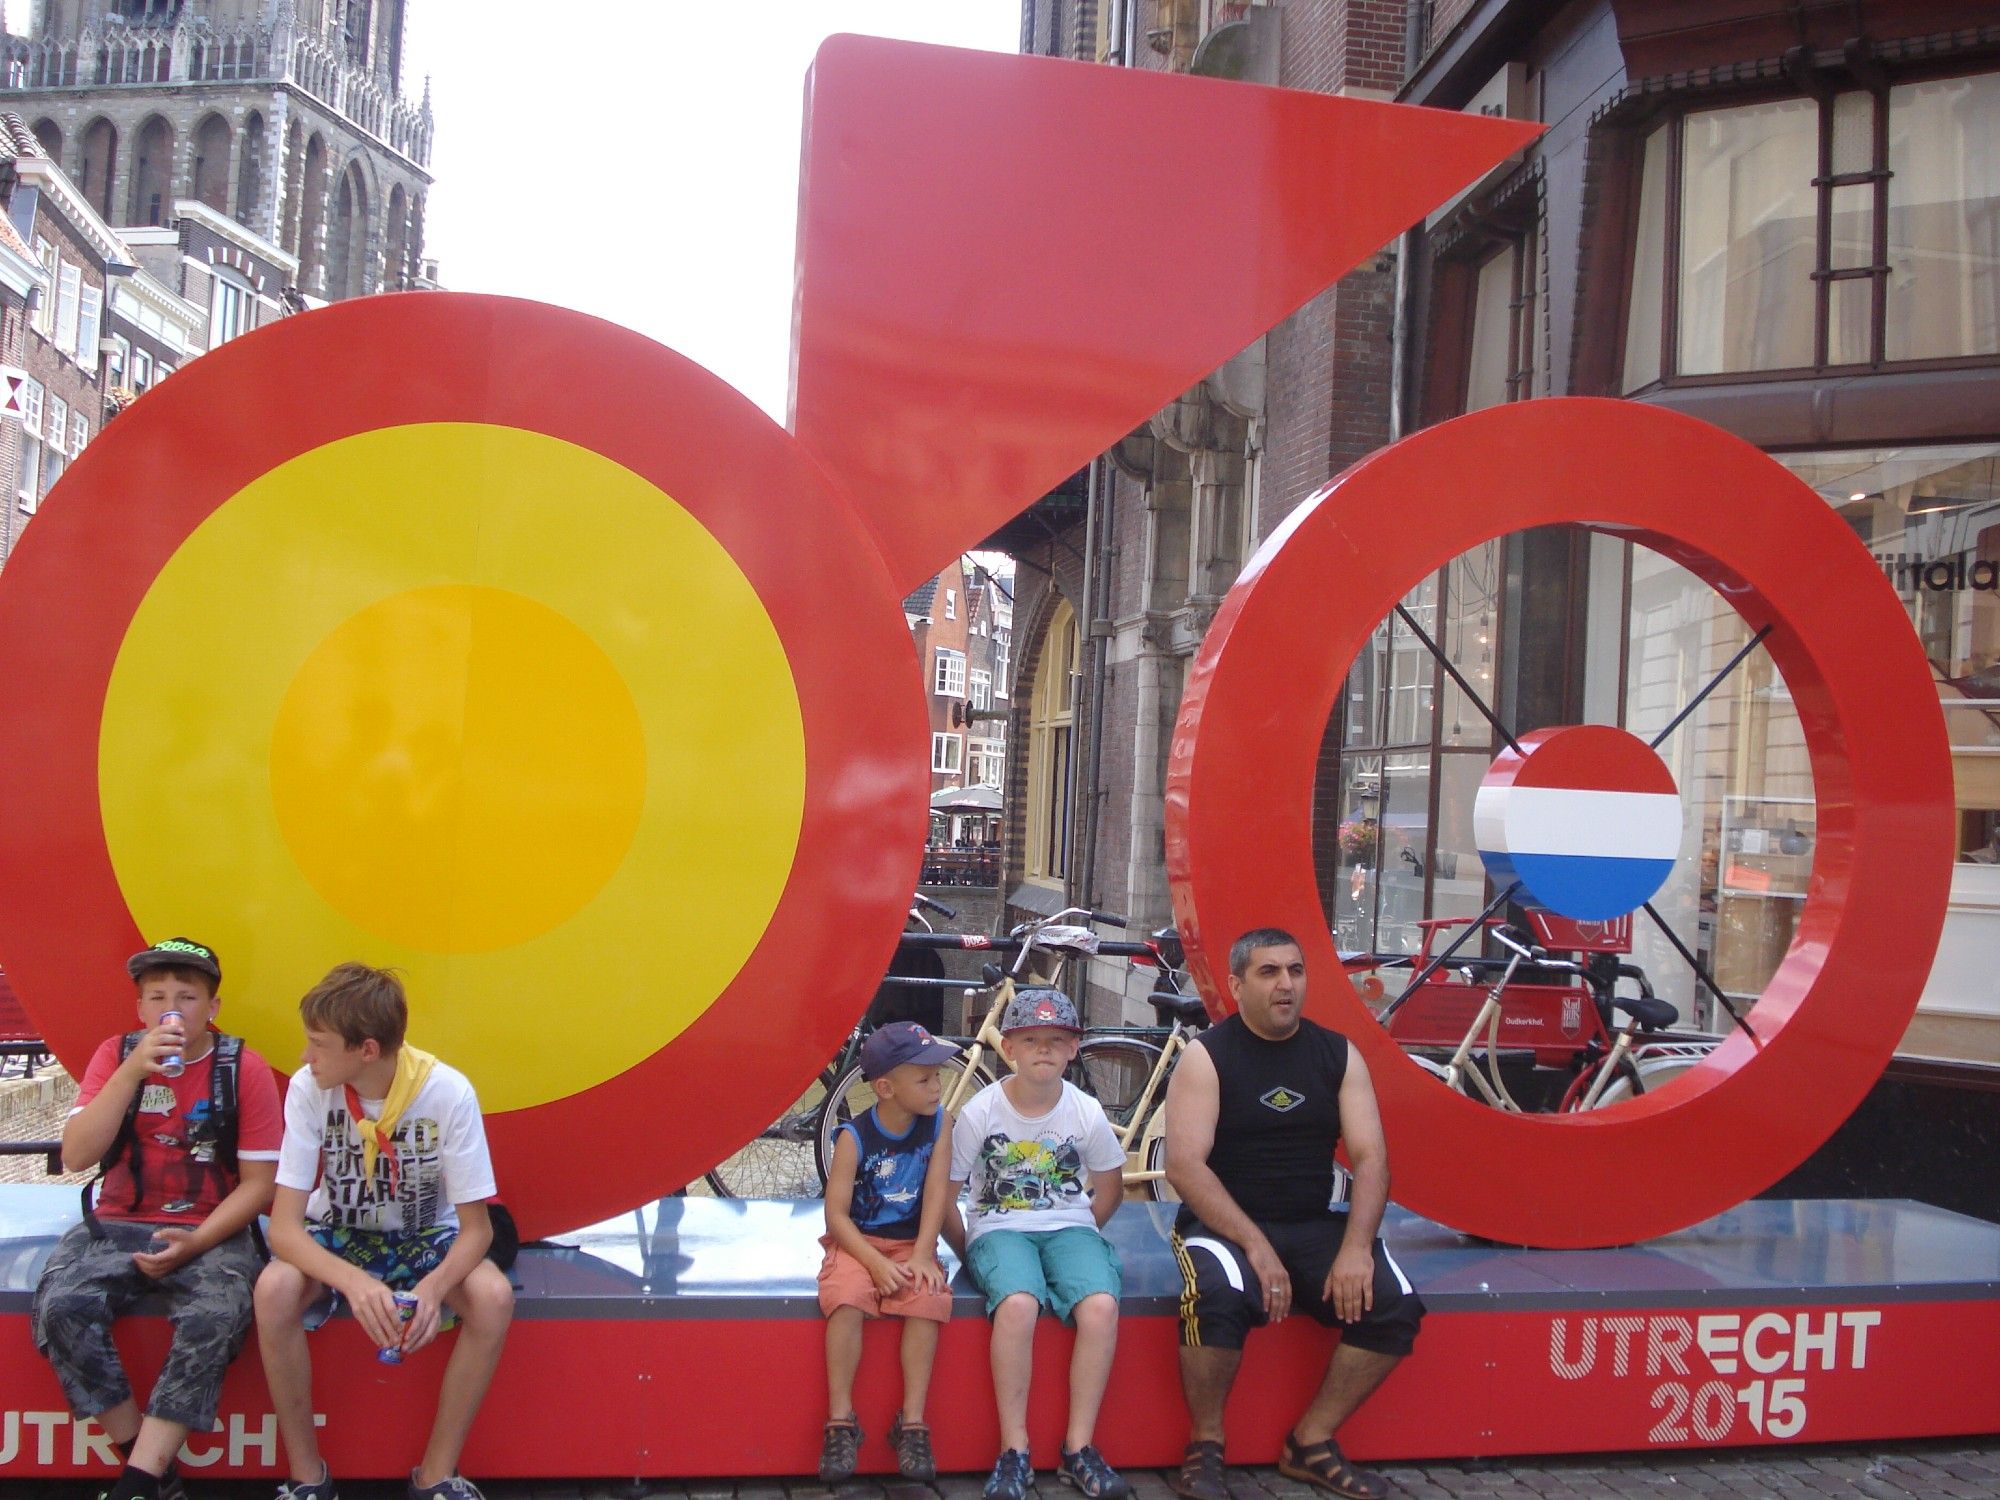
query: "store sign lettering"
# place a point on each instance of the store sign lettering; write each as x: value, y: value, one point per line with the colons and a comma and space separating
x: 1718, y: 1368
x: 1910, y: 571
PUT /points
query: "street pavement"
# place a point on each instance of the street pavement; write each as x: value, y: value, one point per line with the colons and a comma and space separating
x: 1952, y: 1468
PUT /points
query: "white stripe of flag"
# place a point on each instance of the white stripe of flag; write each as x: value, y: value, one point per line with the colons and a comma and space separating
x: 1569, y: 821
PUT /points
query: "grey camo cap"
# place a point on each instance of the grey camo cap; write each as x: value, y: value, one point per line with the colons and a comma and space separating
x: 1039, y: 1006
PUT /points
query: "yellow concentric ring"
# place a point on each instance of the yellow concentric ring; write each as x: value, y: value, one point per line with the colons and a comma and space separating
x: 535, y: 624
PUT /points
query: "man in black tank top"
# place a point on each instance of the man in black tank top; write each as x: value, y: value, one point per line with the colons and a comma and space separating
x: 1254, y: 1112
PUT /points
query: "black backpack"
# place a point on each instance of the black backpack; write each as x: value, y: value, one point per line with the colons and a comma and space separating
x: 222, y: 1107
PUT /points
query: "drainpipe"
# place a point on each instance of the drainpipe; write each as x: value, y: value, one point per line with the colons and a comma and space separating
x: 1399, y: 336
x: 1097, y: 596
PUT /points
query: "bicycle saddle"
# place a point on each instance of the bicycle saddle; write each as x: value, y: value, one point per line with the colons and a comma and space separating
x: 1169, y: 1007
x: 1651, y: 1013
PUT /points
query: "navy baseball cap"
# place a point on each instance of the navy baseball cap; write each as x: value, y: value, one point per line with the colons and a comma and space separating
x: 889, y: 1047
x: 176, y: 953
x: 1039, y: 1006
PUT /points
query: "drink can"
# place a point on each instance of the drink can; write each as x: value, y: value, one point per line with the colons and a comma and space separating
x: 406, y: 1309
x: 174, y: 1066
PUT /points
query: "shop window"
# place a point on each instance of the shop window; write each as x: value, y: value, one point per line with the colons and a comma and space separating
x: 1051, y: 724
x: 1800, y: 234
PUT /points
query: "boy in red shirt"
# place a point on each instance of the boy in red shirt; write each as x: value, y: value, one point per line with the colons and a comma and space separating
x: 189, y: 1161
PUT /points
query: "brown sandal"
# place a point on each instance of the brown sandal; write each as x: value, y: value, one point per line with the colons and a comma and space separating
x: 1201, y: 1474
x: 1323, y: 1465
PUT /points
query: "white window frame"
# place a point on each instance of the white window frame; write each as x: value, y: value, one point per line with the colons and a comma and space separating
x: 56, y: 428
x: 947, y: 753
x: 230, y: 307
x: 69, y: 298
x: 121, y: 359
x: 987, y: 762
x: 1000, y: 664
x: 45, y: 305
x: 79, y: 432
x: 948, y: 676
x: 141, y: 374
x: 951, y: 604
x: 28, y: 487
x: 89, y: 325
x: 982, y: 688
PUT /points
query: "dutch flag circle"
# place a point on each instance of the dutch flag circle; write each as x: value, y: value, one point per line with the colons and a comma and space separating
x: 1587, y: 819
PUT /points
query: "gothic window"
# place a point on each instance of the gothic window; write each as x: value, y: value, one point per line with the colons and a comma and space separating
x: 396, y: 263
x: 1805, y: 234
x: 147, y: 12
x: 211, y: 162
x: 312, y: 212
x: 250, y: 170
x: 347, y: 239
x: 95, y: 163
x: 152, y: 164
x: 1051, y: 724
x: 48, y: 135
x: 288, y: 228
x: 358, y: 17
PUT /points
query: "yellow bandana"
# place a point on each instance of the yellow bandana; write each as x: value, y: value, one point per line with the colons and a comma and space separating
x: 412, y: 1068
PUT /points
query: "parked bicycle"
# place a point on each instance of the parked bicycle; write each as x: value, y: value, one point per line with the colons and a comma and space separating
x: 1038, y: 949
x: 1526, y: 1044
x: 782, y: 1161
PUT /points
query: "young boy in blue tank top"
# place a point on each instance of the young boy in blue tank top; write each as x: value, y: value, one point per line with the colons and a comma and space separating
x: 888, y: 1196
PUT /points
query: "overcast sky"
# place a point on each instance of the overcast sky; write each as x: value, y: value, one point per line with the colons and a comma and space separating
x: 638, y: 159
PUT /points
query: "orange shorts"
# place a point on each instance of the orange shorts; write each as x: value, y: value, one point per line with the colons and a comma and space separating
x: 845, y: 1282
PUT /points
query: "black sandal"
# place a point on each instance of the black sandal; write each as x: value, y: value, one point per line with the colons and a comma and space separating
x: 1323, y: 1465
x: 839, y: 1451
x: 912, y: 1442
x: 1201, y: 1474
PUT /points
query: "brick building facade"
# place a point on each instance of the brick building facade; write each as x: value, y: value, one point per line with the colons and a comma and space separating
x: 1781, y: 219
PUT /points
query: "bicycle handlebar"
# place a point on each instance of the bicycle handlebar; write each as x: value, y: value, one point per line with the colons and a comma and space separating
x: 920, y: 899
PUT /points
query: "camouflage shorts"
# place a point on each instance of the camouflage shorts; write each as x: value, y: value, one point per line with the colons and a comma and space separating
x: 88, y: 1282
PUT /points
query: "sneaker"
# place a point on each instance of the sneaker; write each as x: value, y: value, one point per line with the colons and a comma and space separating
x: 1201, y: 1475
x: 912, y: 1442
x: 839, y: 1451
x: 1087, y: 1470
x: 1011, y: 1478
x: 451, y: 1487
x: 171, y: 1487
x: 320, y: 1489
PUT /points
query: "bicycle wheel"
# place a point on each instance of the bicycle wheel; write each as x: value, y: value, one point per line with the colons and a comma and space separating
x: 779, y: 1163
x: 1654, y: 1065
x: 1152, y: 1153
x: 1114, y: 1071
x: 851, y: 1094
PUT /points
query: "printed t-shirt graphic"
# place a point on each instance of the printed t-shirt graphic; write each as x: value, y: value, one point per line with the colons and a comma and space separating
x: 439, y: 1145
x: 1031, y: 1173
x: 175, y: 1139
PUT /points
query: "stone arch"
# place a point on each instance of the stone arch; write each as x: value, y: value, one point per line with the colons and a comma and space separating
x: 250, y: 170
x: 152, y: 172
x: 312, y: 213
x: 49, y: 136
x: 210, y: 168
x: 396, y: 242
x: 347, y: 235
x: 97, y: 164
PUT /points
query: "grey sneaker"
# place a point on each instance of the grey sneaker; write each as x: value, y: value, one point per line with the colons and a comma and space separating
x: 452, y: 1487
x: 1087, y: 1470
x: 1011, y: 1477
x: 320, y: 1489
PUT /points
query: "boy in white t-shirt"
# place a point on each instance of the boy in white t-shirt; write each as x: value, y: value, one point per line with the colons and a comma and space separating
x: 383, y: 1182
x: 1046, y: 1174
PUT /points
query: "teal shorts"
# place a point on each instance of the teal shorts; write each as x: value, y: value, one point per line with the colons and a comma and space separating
x: 1057, y: 1267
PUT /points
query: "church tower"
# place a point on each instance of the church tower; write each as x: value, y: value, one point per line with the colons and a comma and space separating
x: 288, y: 116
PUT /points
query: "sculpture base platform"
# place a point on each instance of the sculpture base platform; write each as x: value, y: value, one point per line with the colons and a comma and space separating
x: 685, y: 1340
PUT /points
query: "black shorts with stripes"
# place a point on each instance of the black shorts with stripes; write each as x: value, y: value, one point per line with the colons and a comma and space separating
x: 1221, y: 1300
